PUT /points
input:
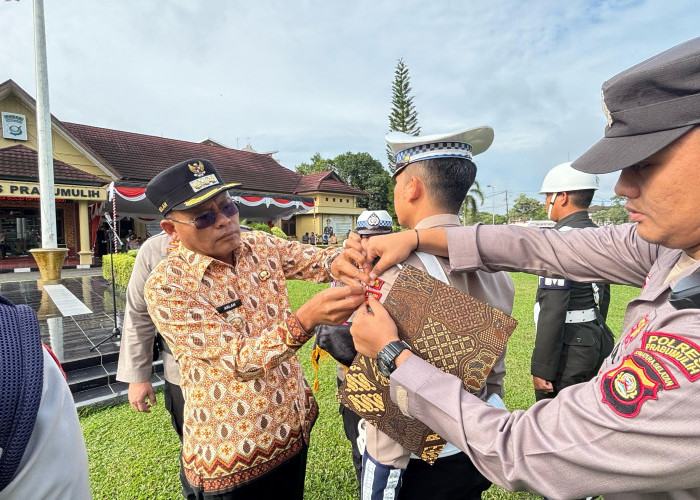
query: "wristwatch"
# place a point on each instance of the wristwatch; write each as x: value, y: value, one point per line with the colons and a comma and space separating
x: 330, y: 260
x: 386, y: 359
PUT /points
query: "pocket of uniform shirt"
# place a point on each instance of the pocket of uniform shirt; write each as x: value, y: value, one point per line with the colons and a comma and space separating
x: 579, y: 337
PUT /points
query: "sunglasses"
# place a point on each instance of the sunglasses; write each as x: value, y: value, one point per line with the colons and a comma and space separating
x: 205, y: 220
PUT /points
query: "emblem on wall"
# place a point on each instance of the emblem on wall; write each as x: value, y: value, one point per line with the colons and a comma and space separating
x: 14, y: 126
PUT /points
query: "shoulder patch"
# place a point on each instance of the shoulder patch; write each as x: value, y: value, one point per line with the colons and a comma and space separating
x: 642, y: 374
x: 627, y: 387
x: 553, y: 283
x: 680, y: 351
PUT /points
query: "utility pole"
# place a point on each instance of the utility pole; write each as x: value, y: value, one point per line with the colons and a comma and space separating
x: 493, y: 204
x: 507, y: 218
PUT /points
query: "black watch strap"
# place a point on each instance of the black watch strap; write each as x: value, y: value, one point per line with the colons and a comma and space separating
x: 386, y: 359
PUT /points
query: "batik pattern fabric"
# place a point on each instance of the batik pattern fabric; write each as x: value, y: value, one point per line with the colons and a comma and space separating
x: 451, y: 330
x: 248, y: 407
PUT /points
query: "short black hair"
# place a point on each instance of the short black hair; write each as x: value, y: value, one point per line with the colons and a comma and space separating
x: 447, y: 180
x: 581, y: 198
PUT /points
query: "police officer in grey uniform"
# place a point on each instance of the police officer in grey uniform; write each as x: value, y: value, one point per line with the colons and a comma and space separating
x: 631, y: 432
x: 572, y: 338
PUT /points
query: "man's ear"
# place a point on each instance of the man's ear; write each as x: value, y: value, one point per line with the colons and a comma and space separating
x: 564, y: 198
x: 414, y: 188
x: 170, y: 227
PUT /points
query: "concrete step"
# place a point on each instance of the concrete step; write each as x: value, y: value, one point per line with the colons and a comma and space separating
x: 96, y: 384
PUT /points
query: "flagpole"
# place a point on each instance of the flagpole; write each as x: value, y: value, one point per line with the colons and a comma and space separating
x: 47, y: 199
x: 49, y: 257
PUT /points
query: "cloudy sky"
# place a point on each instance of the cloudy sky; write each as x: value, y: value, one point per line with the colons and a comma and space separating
x: 300, y: 76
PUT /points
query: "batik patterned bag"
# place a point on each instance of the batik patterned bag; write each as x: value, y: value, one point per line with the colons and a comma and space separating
x: 444, y: 326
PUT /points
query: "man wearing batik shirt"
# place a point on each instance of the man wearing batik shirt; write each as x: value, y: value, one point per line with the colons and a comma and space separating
x: 220, y: 302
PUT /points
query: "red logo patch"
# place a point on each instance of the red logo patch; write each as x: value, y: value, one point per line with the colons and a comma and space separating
x: 636, y: 329
x: 626, y: 387
x: 377, y: 284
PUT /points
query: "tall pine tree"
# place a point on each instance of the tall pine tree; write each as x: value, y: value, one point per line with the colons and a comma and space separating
x: 403, y: 117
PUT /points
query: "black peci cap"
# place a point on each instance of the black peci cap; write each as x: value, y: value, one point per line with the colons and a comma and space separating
x: 648, y: 106
x: 185, y: 185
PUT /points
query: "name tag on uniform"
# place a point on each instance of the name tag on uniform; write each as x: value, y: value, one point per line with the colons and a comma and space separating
x: 227, y: 307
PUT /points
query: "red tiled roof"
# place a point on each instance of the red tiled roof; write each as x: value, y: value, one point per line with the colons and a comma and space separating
x: 20, y: 162
x: 140, y: 157
x: 311, y: 182
x: 327, y: 181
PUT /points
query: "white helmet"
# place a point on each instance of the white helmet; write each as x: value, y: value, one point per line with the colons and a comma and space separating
x: 565, y: 178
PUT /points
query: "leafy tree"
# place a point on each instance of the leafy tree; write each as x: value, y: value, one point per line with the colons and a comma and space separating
x: 527, y: 209
x: 316, y: 165
x: 403, y: 117
x: 469, y: 210
x: 617, y: 200
x: 364, y: 172
x: 359, y: 170
x: 616, y: 214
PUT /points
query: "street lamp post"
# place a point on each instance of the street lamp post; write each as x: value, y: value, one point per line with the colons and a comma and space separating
x: 493, y: 204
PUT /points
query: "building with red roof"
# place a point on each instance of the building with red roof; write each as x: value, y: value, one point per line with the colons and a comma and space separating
x: 90, y: 163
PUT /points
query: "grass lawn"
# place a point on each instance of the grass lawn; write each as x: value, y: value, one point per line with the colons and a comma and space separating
x: 135, y: 455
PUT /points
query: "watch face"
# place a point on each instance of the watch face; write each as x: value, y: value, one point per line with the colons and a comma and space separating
x: 383, y: 366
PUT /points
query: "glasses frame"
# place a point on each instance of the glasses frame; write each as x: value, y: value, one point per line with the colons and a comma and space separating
x: 208, y: 216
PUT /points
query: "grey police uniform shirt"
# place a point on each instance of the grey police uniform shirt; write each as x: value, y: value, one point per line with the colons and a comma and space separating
x: 554, y: 298
x: 138, y: 332
x: 630, y: 432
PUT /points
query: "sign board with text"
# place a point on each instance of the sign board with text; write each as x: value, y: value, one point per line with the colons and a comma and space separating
x: 31, y: 190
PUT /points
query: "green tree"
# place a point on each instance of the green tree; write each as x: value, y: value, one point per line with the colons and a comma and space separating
x: 487, y: 218
x: 359, y: 170
x: 403, y: 117
x: 616, y: 214
x: 364, y: 172
x: 469, y: 211
x: 526, y: 208
x: 317, y: 164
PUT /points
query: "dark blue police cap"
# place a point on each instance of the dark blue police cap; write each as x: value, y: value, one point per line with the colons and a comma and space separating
x: 185, y: 185
x: 647, y: 106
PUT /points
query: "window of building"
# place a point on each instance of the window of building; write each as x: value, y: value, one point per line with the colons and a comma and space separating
x: 22, y: 228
